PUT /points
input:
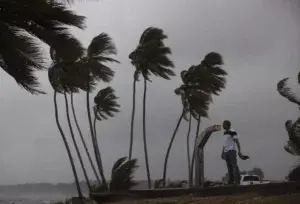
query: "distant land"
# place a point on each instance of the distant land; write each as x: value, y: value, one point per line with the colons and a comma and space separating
x: 64, y: 188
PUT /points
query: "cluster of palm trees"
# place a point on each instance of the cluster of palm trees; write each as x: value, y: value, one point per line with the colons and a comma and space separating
x: 75, y: 68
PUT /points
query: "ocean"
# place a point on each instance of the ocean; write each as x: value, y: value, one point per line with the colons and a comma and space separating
x: 33, y: 198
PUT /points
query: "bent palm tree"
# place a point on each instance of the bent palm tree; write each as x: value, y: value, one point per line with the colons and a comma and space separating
x: 92, y: 67
x: 193, y: 101
x: 207, y: 77
x: 22, y: 26
x: 122, y: 176
x: 200, y: 82
x: 70, y: 82
x: 105, y: 106
x: 151, y: 57
x: 54, y: 74
x: 83, y: 141
x: 293, y: 128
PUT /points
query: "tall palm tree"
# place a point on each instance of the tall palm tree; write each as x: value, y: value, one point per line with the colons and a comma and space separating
x: 151, y: 57
x: 196, y: 102
x: 70, y: 82
x: 200, y: 82
x: 293, y: 128
x: 54, y: 73
x: 105, y: 106
x: 23, y: 24
x: 83, y: 141
x: 92, y: 67
x: 209, y: 78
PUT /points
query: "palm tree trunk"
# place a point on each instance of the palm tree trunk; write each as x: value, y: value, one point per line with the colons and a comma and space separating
x: 188, y: 147
x: 66, y: 146
x: 170, y: 146
x: 75, y: 143
x: 144, y: 134
x: 98, y: 153
x: 132, y: 119
x: 193, y: 156
x: 92, y: 132
x: 83, y: 141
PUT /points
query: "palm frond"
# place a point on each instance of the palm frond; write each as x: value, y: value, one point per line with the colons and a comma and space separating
x: 286, y: 92
x: 101, y: 45
x: 118, y: 163
x: 20, y: 57
x: 21, y: 23
x: 122, y: 177
x: 212, y: 59
x: 150, y: 34
x: 105, y: 104
x: 151, y: 55
x: 99, y: 71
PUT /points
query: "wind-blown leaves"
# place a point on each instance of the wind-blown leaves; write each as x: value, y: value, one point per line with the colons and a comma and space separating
x: 151, y: 55
x: 200, y: 82
x: 105, y: 104
x: 122, y: 175
x: 23, y: 26
x: 286, y: 92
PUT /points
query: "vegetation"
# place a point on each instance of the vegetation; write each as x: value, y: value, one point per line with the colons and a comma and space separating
x: 294, y: 174
x: 293, y: 128
x: 150, y: 57
x: 23, y: 27
x: 200, y: 82
x: 122, y: 175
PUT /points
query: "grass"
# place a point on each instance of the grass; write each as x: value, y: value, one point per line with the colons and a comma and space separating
x: 237, y: 199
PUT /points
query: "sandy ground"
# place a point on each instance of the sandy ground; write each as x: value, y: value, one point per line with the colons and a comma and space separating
x: 238, y: 199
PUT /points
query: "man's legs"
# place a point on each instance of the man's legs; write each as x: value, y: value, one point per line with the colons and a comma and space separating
x: 230, y: 170
x: 235, y: 169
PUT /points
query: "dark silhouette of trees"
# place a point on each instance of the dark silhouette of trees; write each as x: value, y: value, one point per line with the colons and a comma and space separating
x: 200, y: 82
x: 56, y: 75
x: 150, y: 57
x: 92, y: 68
x: 105, y: 106
x: 23, y: 26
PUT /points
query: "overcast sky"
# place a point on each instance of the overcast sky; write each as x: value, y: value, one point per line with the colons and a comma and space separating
x: 260, y: 43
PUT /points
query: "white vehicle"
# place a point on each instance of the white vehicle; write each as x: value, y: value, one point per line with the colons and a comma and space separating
x: 252, y: 180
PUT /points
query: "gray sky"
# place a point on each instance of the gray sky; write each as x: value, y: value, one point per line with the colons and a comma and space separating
x: 260, y: 43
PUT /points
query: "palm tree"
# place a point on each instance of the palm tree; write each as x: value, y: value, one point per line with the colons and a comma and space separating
x: 199, y: 83
x: 105, y: 106
x: 83, y: 141
x: 70, y: 82
x: 23, y: 24
x: 193, y: 101
x: 54, y: 73
x: 122, y: 176
x: 92, y: 67
x: 151, y: 56
x: 207, y: 77
x: 293, y: 128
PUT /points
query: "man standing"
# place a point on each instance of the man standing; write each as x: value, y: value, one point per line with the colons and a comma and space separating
x: 229, y: 154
